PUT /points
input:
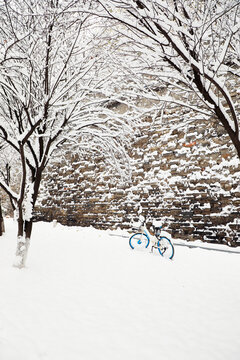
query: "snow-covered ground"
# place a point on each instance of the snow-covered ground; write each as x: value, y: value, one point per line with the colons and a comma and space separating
x: 86, y: 295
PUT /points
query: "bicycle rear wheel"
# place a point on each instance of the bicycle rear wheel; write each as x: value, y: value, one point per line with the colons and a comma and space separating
x: 165, y: 247
x: 139, y: 241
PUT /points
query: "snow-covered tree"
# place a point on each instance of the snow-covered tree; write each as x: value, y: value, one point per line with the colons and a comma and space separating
x: 190, y: 46
x: 53, y: 88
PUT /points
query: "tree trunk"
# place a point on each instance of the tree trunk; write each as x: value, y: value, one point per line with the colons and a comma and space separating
x: 23, y: 242
x: 2, y: 227
x: 25, y: 209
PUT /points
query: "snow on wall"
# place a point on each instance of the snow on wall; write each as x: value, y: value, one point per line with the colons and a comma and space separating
x: 187, y: 177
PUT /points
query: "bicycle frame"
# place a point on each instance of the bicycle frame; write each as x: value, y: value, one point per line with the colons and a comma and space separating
x: 152, y: 238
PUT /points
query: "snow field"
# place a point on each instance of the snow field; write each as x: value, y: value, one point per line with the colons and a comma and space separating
x: 86, y: 295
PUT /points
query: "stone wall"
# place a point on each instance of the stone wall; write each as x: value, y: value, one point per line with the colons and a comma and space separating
x: 188, y: 177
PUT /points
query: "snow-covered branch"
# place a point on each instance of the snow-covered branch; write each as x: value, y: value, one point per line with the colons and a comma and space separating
x: 198, y: 41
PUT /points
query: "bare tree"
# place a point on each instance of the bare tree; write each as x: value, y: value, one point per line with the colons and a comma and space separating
x: 53, y: 88
x: 191, y: 45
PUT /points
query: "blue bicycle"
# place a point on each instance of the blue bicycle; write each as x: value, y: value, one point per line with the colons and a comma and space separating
x: 142, y: 238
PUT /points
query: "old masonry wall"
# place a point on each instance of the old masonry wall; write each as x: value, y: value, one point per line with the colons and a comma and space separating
x: 188, y: 177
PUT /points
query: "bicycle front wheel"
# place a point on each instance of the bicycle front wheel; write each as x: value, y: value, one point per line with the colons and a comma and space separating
x: 139, y: 241
x: 165, y: 247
